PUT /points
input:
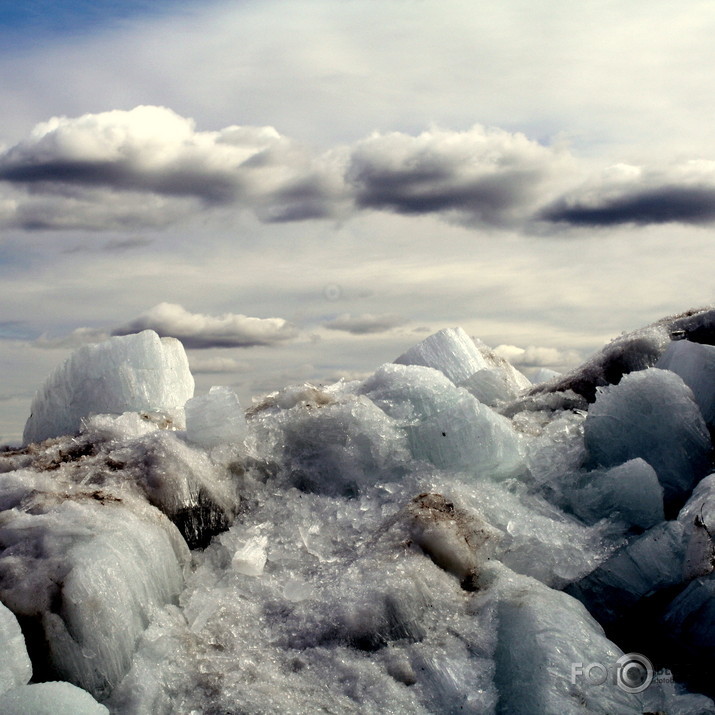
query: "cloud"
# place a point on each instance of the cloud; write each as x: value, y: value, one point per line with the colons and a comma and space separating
x: 78, y: 337
x: 624, y: 194
x: 480, y: 176
x: 150, y: 166
x: 216, y: 365
x: 196, y: 330
x: 365, y: 323
x: 150, y: 154
x: 533, y: 356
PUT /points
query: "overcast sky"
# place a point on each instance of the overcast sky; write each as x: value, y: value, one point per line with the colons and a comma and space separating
x: 302, y: 189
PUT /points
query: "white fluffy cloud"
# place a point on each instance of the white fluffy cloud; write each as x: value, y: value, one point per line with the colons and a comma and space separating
x: 365, y: 323
x: 196, y: 330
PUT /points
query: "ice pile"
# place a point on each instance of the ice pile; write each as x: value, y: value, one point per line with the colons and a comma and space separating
x: 440, y: 537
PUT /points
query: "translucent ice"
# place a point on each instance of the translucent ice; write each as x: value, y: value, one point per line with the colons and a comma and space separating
x: 650, y: 563
x: 15, y: 666
x: 451, y: 351
x: 84, y: 572
x: 652, y: 415
x: 694, y: 363
x: 215, y: 418
x: 468, y: 436
x: 629, y: 492
x: 546, y: 642
x: 132, y: 373
x: 55, y: 698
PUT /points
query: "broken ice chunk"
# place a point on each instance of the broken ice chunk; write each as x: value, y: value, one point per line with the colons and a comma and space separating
x: 131, y: 373
x: 55, y: 698
x: 451, y: 351
x: 215, y: 418
x: 651, y: 414
x: 15, y: 666
x: 250, y: 559
x: 695, y: 363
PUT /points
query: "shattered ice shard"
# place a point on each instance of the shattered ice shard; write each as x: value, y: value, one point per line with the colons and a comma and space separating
x: 131, y: 373
x: 215, y: 418
x: 652, y: 415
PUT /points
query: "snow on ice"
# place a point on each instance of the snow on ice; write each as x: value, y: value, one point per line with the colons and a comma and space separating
x: 440, y: 537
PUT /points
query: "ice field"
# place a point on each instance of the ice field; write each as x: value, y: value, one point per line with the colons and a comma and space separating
x: 441, y: 537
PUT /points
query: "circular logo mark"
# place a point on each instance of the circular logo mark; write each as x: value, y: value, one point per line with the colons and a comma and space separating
x: 634, y: 673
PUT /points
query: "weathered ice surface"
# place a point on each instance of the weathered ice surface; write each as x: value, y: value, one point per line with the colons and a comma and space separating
x: 132, y: 373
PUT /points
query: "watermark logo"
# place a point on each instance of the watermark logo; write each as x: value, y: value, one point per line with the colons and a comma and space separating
x: 632, y: 673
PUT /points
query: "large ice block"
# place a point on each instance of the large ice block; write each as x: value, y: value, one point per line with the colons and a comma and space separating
x: 652, y: 415
x: 695, y: 363
x: 15, y: 666
x: 450, y: 351
x: 131, y: 373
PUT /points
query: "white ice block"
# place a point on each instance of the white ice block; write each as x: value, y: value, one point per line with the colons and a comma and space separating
x: 215, y: 418
x: 652, y: 415
x: 15, y: 666
x: 131, y: 373
x: 451, y: 351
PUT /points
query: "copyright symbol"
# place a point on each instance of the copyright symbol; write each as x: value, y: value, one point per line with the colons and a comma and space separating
x: 634, y: 673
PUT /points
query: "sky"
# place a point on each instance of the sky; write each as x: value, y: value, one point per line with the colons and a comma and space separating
x: 302, y: 190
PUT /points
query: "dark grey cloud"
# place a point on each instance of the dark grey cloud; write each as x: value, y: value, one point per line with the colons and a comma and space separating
x: 625, y: 194
x: 663, y: 204
x: 365, y: 323
x: 199, y: 331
